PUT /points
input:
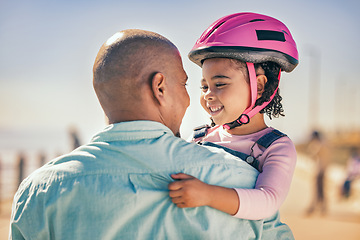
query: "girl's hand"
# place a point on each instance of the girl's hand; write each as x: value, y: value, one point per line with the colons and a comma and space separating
x: 189, y: 191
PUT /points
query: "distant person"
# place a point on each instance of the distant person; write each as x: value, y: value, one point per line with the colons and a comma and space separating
x: 74, y: 136
x: 20, y: 167
x: 115, y: 187
x: 41, y: 158
x: 353, y: 171
x: 242, y: 56
x: 318, y: 151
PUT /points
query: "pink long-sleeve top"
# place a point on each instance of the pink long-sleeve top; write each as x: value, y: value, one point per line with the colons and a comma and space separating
x: 276, y: 165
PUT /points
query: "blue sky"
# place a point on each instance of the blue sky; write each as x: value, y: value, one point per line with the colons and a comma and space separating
x: 48, y: 48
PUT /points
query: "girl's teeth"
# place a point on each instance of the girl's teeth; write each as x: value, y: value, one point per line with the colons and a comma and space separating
x: 215, y: 109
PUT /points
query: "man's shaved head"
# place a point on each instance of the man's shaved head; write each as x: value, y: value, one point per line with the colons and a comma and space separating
x: 124, y: 69
x: 126, y: 53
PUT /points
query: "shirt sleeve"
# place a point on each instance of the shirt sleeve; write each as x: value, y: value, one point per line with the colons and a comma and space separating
x: 273, y: 183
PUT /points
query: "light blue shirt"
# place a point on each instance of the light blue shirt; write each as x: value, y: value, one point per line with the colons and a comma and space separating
x: 115, y: 187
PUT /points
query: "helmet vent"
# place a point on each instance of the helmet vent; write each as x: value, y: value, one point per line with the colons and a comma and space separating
x: 270, y: 35
x: 214, y: 29
x: 285, y: 32
x: 257, y: 20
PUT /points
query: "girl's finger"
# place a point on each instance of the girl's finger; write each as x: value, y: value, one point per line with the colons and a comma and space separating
x: 181, y: 176
x: 173, y: 186
x: 177, y: 200
x: 174, y: 194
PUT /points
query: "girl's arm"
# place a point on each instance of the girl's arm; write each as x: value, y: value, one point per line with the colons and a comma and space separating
x: 270, y: 191
x: 191, y: 192
x: 273, y: 183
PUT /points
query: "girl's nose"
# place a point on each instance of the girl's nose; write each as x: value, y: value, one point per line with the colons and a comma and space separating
x: 208, y: 95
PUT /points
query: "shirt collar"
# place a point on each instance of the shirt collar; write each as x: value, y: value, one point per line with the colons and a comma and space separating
x: 132, y: 130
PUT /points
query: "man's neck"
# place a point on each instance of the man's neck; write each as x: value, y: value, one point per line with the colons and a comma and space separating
x: 133, y: 113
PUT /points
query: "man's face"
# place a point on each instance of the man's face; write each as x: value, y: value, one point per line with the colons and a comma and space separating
x: 178, y: 95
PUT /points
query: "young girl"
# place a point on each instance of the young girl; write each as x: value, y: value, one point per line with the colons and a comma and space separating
x: 241, y: 56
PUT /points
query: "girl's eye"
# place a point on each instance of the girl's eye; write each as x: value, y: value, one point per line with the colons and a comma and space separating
x: 204, y: 88
x: 220, y: 84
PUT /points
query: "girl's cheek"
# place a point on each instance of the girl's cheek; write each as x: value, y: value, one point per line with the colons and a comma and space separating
x: 203, y: 102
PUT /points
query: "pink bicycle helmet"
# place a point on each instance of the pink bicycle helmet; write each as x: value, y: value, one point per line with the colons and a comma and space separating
x: 251, y: 38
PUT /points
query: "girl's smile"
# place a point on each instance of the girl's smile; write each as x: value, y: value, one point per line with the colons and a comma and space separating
x: 214, y: 110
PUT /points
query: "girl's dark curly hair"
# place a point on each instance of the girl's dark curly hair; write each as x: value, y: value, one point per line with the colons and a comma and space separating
x: 274, y: 108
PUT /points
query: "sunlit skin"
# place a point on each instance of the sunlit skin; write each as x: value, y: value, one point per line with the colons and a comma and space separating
x: 171, y: 97
x: 178, y: 97
x: 225, y: 95
x: 154, y: 70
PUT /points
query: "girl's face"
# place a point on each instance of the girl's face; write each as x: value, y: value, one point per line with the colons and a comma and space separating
x: 225, y: 89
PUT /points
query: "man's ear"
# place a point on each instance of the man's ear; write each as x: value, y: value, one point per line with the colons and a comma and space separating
x: 261, y: 81
x: 158, y: 87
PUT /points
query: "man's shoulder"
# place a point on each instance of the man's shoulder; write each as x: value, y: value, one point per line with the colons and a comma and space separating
x: 193, y: 149
x: 70, y: 165
x: 191, y: 154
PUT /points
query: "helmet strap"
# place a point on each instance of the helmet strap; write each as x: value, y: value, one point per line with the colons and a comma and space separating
x: 251, y: 110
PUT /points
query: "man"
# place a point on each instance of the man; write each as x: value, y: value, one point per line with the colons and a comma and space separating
x: 115, y: 187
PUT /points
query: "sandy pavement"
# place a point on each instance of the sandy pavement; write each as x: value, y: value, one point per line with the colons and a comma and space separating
x: 5, y: 212
x: 342, y: 220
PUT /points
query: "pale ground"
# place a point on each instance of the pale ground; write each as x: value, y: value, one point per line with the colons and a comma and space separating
x: 5, y: 219
x: 341, y: 222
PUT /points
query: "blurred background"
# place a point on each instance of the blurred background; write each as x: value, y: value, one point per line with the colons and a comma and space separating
x: 48, y: 106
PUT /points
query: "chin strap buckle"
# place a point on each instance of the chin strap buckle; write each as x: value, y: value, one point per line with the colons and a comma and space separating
x: 243, y: 119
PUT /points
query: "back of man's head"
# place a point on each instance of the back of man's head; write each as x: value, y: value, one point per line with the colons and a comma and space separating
x: 125, y: 65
